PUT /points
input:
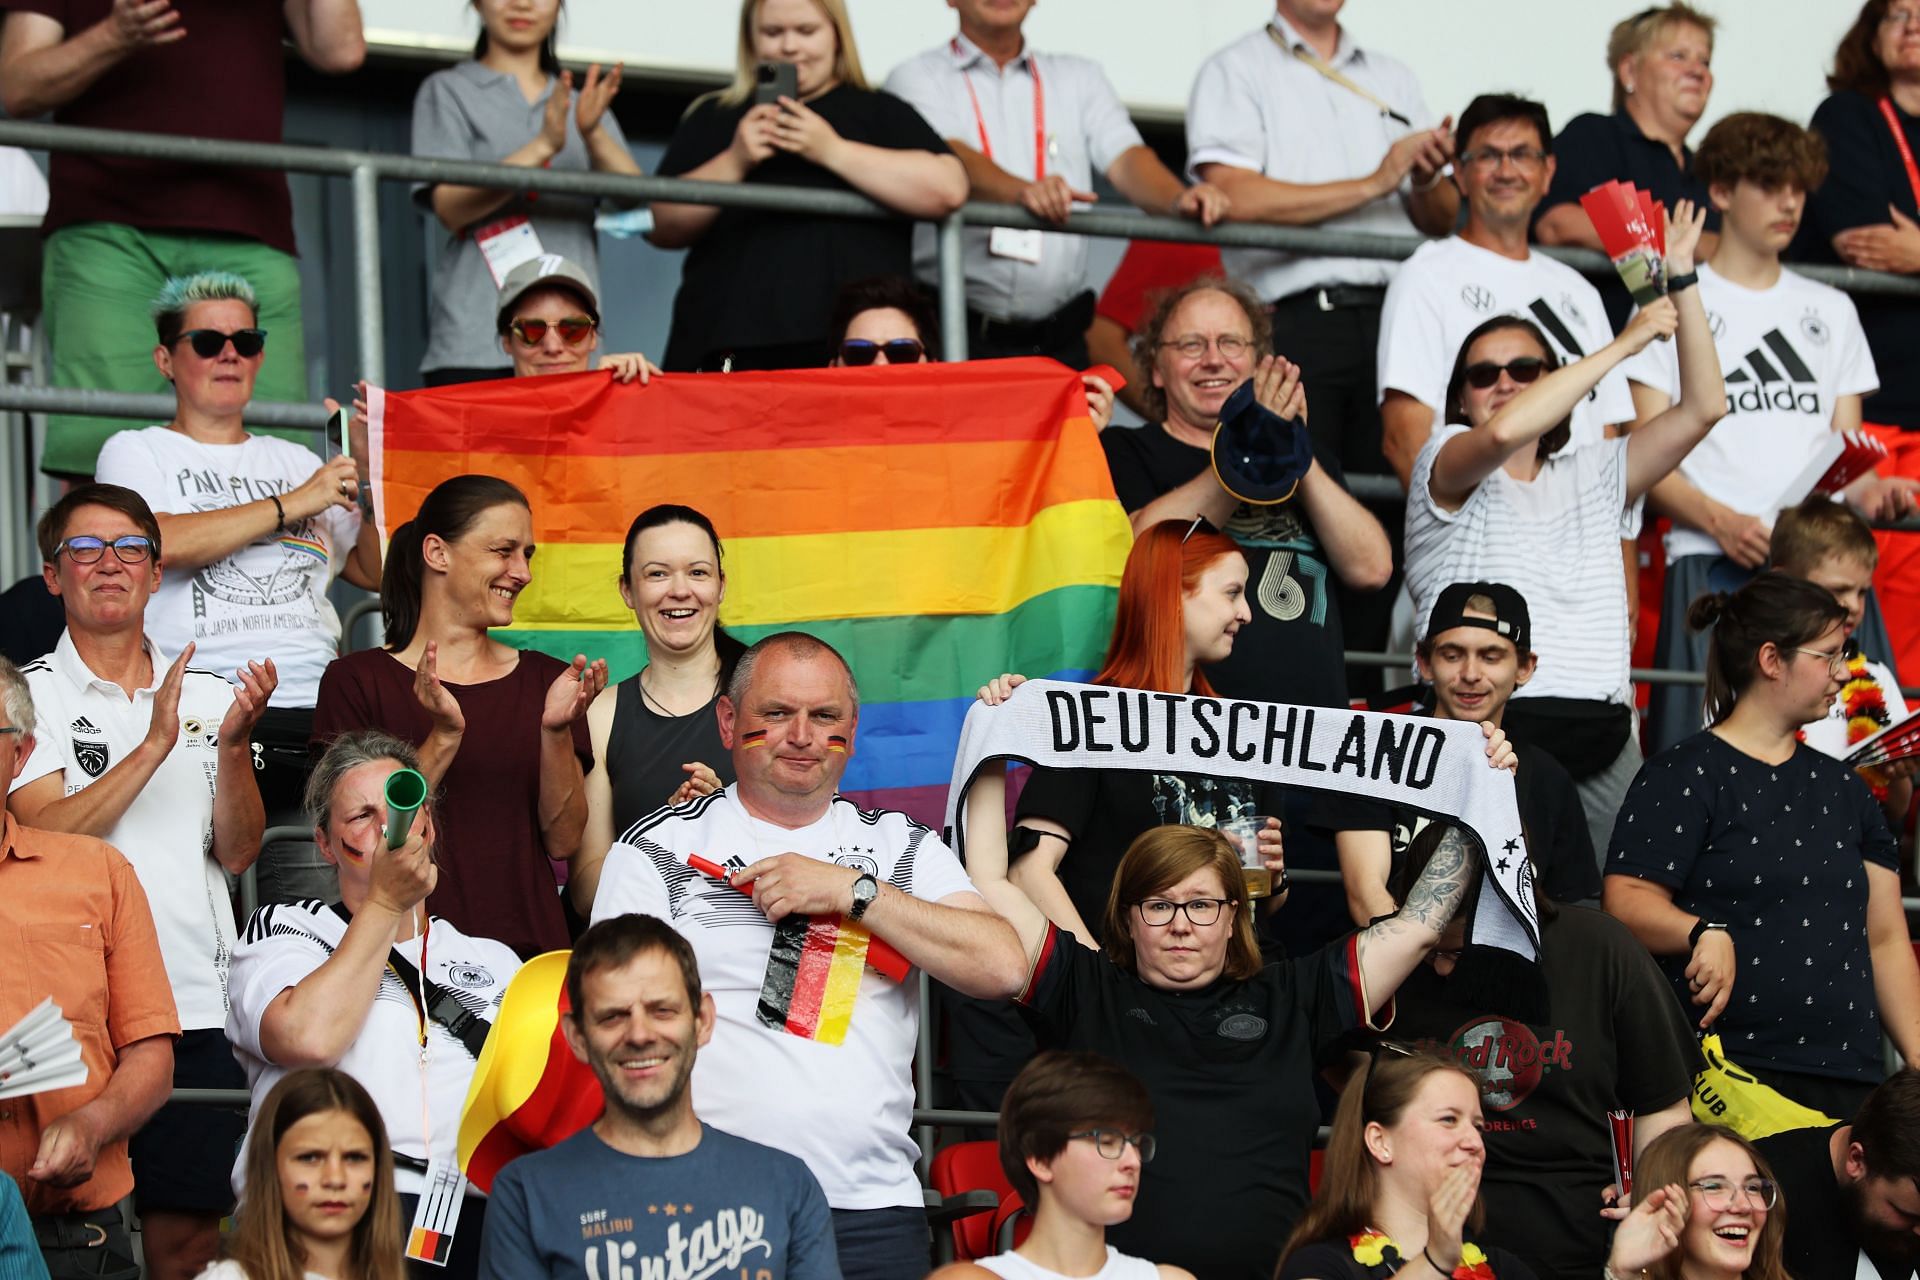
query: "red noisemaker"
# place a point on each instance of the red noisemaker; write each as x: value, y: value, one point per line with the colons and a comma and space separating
x: 1633, y: 232
x: 1620, y: 1126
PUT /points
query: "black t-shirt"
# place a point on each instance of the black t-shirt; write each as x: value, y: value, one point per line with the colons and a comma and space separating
x: 1866, y: 174
x: 1615, y: 1040
x: 1334, y: 1260
x: 1593, y: 149
x: 1230, y: 1069
x: 1779, y: 853
x: 1104, y: 810
x: 1558, y: 841
x: 1820, y: 1243
x: 768, y: 277
x: 1292, y: 650
x: 646, y: 749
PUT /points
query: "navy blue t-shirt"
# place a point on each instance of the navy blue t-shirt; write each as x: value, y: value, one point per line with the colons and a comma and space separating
x: 1779, y: 853
x: 727, y: 1207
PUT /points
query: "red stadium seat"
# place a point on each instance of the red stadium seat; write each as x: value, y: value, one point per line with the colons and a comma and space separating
x: 971, y: 1166
x: 1012, y: 1224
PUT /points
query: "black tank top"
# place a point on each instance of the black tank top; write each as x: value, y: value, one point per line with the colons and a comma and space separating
x: 646, y: 749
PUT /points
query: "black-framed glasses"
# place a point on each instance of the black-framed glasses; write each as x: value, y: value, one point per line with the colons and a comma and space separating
x: 1113, y: 1143
x: 1719, y: 1193
x: 573, y: 330
x: 208, y: 343
x: 84, y: 548
x: 861, y: 352
x: 1200, y: 912
x: 1491, y: 158
x: 1200, y: 525
x: 1192, y: 346
x: 6, y: 729
x: 1484, y: 373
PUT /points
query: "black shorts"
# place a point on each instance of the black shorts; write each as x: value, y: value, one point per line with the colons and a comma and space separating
x: 183, y: 1158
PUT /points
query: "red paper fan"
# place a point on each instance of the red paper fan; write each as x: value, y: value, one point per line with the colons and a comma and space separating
x: 1633, y: 233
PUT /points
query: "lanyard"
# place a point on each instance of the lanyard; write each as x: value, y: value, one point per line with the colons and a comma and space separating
x: 420, y: 1012
x: 1900, y: 141
x: 1328, y: 70
x: 1039, y: 115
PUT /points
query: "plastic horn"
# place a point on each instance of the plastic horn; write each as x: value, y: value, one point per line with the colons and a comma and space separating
x: 406, y: 792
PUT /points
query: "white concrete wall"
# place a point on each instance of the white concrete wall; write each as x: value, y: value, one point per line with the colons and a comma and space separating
x: 1772, y: 54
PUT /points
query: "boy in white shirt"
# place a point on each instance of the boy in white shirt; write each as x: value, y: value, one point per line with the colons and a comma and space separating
x: 1797, y: 367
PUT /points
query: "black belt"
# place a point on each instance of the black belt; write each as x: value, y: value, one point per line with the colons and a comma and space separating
x: 1335, y: 297
x: 1067, y: 324
x: 81, y: 1229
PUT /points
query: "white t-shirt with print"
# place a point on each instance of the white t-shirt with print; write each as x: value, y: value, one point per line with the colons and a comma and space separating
x: 1555, y: 539
x: 844, y: 1109
x: 266, y: 600
x: 1448, y: 288
x: 284, y: 944
x: 1787, y: 353
x: 88, y: 725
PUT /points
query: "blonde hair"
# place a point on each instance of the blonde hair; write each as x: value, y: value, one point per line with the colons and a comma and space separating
x: 1632, y: 37
x: 846, y: 59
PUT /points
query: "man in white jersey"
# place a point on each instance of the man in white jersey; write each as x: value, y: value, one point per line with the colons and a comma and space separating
x: 1487, y: 269
x: 811, y: 1052
x: 154, y: 757
x: 1796, y: 364
x: 1032, y: 131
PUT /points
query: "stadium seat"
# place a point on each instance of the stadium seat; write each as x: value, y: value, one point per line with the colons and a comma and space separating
x: 972, y: 1167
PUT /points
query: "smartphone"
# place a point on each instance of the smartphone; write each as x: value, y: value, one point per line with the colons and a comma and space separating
x: 337, y: 433
x: 776, y: 80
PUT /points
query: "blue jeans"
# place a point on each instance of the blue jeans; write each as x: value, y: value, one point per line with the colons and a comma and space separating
x: 883, y: 1244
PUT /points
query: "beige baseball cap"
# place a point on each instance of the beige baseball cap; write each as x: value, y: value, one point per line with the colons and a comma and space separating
x: 548, y: 268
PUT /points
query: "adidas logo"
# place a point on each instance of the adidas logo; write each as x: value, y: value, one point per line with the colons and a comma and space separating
x: 83, y: 725
x: 1762, y: 384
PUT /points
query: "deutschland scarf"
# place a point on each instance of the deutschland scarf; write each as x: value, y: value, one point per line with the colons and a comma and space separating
x: 1436, y: 766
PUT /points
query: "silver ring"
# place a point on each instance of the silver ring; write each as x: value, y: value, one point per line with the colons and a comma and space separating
x: 343, y: 486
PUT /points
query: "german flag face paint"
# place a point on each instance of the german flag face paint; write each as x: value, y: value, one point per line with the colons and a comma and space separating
x: 753, y: 738
x: 836, y: 743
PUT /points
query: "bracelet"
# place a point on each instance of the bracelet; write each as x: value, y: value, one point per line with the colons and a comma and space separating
x: 1431, y: 183
x: 1608, y: 1273
x: 1676, y: 283
x: 1445, y: 1271
x: 279, y: 513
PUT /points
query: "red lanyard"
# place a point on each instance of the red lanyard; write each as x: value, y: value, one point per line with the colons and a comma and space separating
x: 1039, y: 115
x: 1906, y: 152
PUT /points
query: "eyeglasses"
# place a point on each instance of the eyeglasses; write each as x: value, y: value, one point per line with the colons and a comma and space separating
x: 1113, y: 1143
x: 1895, y: 19
x: 1158, y: 912
x: 1490, y: 158
x: 208, y: 343
x: 861, y: 352
x: 6, y: 729
x: 1718, y: 1193
x: 84, y: 548
x: 1837, y: 660
x: 1485, y: 373
x: 1192, y: 346
x: 573, y: 330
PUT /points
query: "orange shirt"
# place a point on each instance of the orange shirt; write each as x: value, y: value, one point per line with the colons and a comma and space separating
x: 74, y: 925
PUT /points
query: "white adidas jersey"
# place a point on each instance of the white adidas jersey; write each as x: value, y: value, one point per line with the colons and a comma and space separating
x: 1787, y: 353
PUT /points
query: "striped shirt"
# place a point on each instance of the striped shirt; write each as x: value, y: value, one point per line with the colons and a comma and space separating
x: 1555, y: 539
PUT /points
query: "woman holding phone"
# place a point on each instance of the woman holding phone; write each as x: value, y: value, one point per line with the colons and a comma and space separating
x: 798, y: 113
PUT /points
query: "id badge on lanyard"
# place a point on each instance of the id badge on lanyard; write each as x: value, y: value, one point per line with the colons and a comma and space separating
x: 505, y: 244
x: 1018, y: 244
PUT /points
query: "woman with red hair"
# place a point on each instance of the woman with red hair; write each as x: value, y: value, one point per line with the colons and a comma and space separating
x: 1183, y: 599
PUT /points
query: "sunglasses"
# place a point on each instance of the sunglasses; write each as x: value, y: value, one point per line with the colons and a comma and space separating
x: 84, y: 548
x: 1484, y: 374
x: 208, y: 343
x: 573, y: 330
x: 861, y: 352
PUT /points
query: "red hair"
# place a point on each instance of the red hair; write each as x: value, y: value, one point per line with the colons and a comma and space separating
x: 1149, y: 645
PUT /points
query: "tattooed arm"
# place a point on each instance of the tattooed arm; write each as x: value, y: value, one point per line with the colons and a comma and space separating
x: 1391, y: 948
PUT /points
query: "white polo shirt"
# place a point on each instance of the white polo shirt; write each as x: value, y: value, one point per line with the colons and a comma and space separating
x: 1256, y: 106
x: 1448, y: 288
x: 1086, y: 130
x: 86, y: 726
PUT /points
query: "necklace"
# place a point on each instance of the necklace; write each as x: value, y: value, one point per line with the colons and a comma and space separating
x: 661, y: 707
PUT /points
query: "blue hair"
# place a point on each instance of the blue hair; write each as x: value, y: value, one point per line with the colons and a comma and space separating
x: 181, y: 292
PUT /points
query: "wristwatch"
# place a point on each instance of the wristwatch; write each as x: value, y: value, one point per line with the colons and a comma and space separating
x: 1700, y: 926
x: 865, y: 890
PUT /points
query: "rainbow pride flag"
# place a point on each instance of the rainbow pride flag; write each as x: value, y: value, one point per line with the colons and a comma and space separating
x: 938, y: 524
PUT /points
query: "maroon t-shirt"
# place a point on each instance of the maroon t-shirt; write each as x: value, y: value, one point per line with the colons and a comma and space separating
x: 495, y: 879
x: 226, y: 79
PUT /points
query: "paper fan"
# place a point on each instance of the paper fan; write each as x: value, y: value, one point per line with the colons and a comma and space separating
x: 39, y: 1054
x: 1632, y: 229
x: 1898, y: 741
